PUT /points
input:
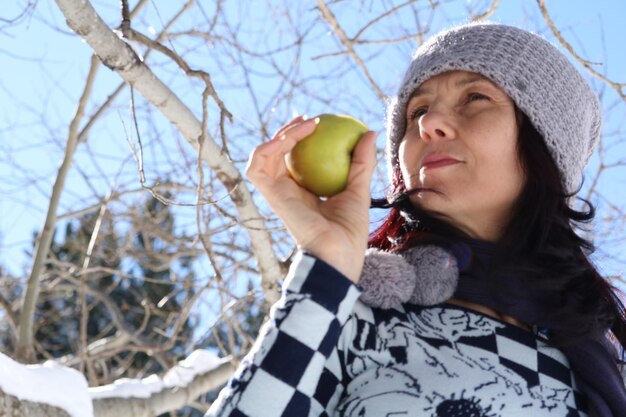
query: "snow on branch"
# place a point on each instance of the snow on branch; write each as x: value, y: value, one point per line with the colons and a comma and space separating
x: 200, y: 373
x: 55, y: 390
x: 51, y: 384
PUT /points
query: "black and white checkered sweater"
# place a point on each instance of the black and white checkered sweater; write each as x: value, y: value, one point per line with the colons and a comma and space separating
x: 325, y: 353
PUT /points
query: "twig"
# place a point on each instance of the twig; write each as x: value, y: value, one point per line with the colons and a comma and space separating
x: 125, y: 25
x: 349, y: 44
x: 206, y: 244
x: 239, y: 47
x: 488, y: 13
x: 387, y: 13
x: 418, y: 36
x: 84, y: 316
x: 132, y: 34
x: 619, y: 87
x: 138, y: 154
x: 29, y: 7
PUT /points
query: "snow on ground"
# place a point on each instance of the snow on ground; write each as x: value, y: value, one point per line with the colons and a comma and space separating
x: 49, y: 383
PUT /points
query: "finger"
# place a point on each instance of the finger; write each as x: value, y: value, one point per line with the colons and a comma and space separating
x: 296, y: 132
x: 362, y: 165
x: 261, y: 157
x: 295, y: 120
x: 267, y: 160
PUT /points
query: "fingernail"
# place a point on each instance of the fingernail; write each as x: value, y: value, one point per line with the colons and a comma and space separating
x: 317, y: 120
x: 305, y: 117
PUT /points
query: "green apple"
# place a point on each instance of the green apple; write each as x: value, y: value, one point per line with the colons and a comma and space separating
x: 321, y: 161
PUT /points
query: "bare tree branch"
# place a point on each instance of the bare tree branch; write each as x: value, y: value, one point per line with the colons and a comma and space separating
x: 25, y: 330
x: 371, y: 23
x: 618, y: 87
x: 12, y: 406
x: 349, y: 44
x: 487, y: 13
x: 166, y: 400
x: 117, y: 55
x: 30, y: 6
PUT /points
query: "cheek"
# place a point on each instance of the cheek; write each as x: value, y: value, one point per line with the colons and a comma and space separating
x: 402, y: 157
x: 502, y: 168
x: 408, y: 154
x: 513, y: 163
x: 518, y: 174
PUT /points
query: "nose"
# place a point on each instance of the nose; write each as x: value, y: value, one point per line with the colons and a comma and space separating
x: 436, y: 125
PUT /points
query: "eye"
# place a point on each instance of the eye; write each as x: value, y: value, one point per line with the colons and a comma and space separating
x: 417, y: 113
x: 476, y: 96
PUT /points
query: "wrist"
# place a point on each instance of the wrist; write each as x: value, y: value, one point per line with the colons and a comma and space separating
x: 350, y: 265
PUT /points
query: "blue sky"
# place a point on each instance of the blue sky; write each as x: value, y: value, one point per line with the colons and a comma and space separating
x: 44, y: 70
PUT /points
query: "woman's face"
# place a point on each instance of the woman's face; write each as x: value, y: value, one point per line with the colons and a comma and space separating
x: 460, y: 149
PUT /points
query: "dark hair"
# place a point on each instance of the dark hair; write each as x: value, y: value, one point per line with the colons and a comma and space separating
x: 539, y: 246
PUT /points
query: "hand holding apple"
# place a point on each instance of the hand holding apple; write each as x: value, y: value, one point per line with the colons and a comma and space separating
x: 321, y: 161
x: 334, y: 229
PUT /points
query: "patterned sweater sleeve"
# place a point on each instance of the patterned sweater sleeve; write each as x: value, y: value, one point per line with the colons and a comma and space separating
x: 294, y: 367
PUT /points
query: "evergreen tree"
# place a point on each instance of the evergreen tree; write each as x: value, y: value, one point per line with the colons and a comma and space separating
x: 58, y: 311
x: 10, y: 292
x: 136, y: 271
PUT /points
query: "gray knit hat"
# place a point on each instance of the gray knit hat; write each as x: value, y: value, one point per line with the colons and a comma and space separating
x: 542, y: 82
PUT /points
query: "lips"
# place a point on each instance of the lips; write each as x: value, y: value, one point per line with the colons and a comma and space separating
x: 435, y: 160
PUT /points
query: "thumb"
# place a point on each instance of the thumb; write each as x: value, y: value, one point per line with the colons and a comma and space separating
x: 363, y: 163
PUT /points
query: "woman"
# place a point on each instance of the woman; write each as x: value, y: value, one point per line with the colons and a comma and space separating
x: 476, y: 296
